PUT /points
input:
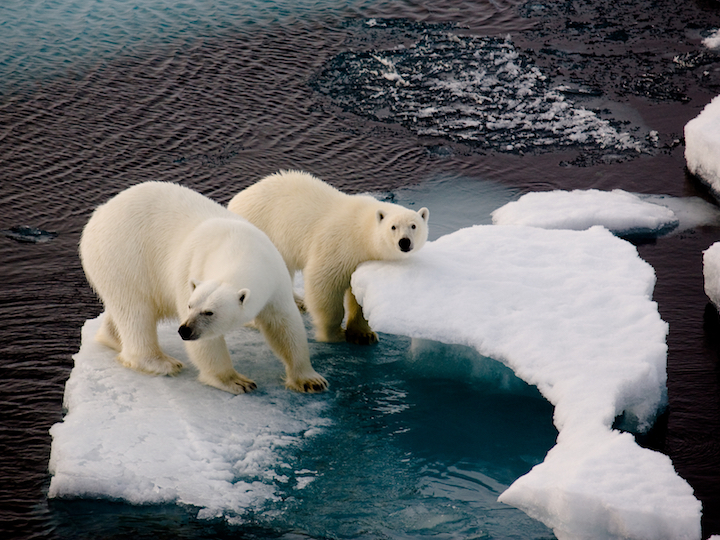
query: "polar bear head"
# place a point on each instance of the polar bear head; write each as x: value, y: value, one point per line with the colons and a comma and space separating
x: 400, y: 231
x: 214, y: 309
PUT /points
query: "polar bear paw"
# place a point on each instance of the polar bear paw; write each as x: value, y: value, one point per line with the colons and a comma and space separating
x: 312, y: 384
x: 300, y: 302
x: 360, y: 337
x: 161, y: 364
x: 232, y: 382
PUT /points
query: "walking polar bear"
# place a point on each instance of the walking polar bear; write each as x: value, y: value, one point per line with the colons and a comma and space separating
x: 159, y: 250
x: 327, y: 234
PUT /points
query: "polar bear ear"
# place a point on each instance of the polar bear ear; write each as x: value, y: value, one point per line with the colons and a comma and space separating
x: 380, y: 216
x: 243, y: 295
x: 424, y: 214
x: 194, y: 283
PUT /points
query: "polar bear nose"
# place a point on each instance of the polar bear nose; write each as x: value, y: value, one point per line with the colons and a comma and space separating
x: 186, y: 333
x: 405, y: 244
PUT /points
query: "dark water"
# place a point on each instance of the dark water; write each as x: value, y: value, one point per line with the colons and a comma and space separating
x: 216, y: 98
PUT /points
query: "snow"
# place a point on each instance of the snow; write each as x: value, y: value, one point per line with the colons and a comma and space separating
x: 171, y: 439
x: 621, y: 212
x: 702, y: 145
x: 571, y: 313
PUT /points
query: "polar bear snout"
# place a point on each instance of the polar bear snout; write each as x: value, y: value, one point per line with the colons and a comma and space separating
x: 405, y: 244
x: 188, y: 333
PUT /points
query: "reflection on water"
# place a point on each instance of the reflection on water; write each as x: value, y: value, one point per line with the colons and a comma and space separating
x: 96, y: 96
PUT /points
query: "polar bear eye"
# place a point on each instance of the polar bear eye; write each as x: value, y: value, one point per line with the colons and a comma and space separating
x: 208, y: 313
x: 393, y: 227
x: 412, y: 226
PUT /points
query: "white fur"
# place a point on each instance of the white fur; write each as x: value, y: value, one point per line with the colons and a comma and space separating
x: 326, y: 234
x: 158, y: 250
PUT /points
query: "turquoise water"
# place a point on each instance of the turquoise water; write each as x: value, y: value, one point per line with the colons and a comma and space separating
x: 422, y: 438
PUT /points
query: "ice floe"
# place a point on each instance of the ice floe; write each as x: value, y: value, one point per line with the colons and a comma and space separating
x: 702, y: 145
x: 571, y: 312
x: 173, y: 440
x: 29, y: 235
x: 623, y: 213
x: 711, y: 273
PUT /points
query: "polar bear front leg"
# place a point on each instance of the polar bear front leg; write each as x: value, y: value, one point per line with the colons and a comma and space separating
x: 358, y: 329
x: 212, y: 359
x: 285, y: 334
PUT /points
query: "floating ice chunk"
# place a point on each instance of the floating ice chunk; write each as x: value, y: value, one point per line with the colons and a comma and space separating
x: 713, y: 40
x: 621, y: 212
x: 702, y: 145
x: 570, y: 312
x: 29, y: 235
x: 711, y: 272
x: 149, y: 439
x: 580, y: 499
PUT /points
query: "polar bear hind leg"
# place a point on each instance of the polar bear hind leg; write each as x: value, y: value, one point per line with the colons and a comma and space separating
x: 324, y: 301
x: 107, y: 334
x: 358, y: 330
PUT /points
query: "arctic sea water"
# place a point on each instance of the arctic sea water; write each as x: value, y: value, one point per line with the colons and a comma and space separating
x: 414, y: 439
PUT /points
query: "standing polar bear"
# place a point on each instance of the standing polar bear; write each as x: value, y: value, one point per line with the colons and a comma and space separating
x: 326, y: 234
x: 159, y: 250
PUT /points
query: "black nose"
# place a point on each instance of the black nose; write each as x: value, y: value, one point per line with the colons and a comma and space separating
x: 185, y: 332
x: 405, y: 244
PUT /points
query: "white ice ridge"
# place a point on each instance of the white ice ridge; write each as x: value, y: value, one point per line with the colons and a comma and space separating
x: 713, y: 40
x: 702, y: 145
x: 571, y: 312
x: 711, y: 272
x: 173, y: 440
x: 619, y: 211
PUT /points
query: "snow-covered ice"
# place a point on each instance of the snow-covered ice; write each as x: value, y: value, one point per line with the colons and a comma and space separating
x: 713, y: 40
x: 711, y: 273
x: 158, y: 440
x: 623, y: 213
x: 571, y: 312
x: 702, y: 145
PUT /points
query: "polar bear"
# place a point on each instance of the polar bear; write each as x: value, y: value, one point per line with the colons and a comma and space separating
x: 159, y: 250
x: 326, y: 234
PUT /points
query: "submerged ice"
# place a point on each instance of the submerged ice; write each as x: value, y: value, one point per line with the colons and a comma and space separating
x: 477, y: 90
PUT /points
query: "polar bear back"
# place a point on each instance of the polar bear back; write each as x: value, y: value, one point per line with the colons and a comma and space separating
x: 145, y: 227
x: 299, y: 212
